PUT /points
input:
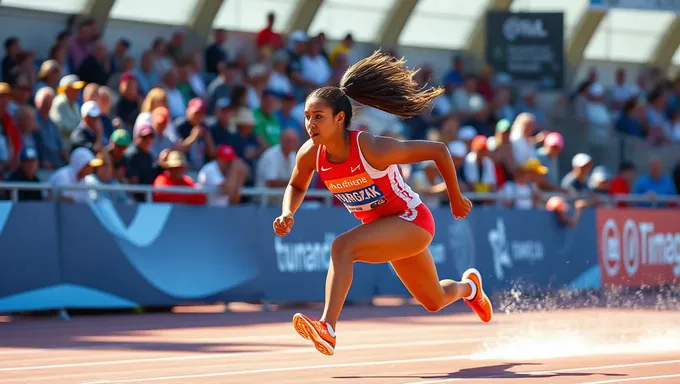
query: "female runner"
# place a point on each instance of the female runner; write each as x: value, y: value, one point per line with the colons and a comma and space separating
x: 361, y: 171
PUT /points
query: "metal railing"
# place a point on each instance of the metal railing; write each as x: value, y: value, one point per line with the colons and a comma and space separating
x: 328, y: 198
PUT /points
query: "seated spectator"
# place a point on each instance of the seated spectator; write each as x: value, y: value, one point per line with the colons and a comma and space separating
x: 141, y: 162
x: 529, y: 104
x: 22, y: 91
x: 7, y: 127
x: 520, y: 193
x: 162, y: 63
x: 174, y: 175
x: 314, y: 66
x: 620, y: 92
x: 65, y: 111
x: 128, y: 66
x: 576, y: 181
x: 26, y: 173
x: 462, y: 96
x: 119, y: 142
x: 478, y: 115
x: 165, y: 136
x: 104, y: 99
x: 258, y: 76
x: 89, y: 133
x: 222, y: 86
x: 80, y: 44
x: 244, y: 142
x: 91, y: 93
x: 429, y: 185
x: 118, y: 56
x: 524, y: 138
x: 600, y: 127
x: 458, y: 151
x: 278, y: 80
x: 177, y: 104
x: 267, y: 127
x: 176, y: 45
x: 220, y: 129
x: 128, y: 108
x: 227, y: 173
x: 104, y: 175
x: 275, y: 166
x: 479, y: 169
x: 196, y: 139
x: 28, y: 129
x: 10, y: 63
x: 184, y: 75
x: 503, y: 155
x: 599, y: 179
x: 81, y: 164
x: 215, y: 55
x: 157, y: 97
x: 285, y: 115
x: 48, y: 75
x: 343, y: 48
x: 631, y: 121
x: 51, y: 152
x: 96, y: 68
x: 655, y: 183
x: 621, y: 184
x: 501, y: 107
x: 659, y: 125
x: 146, y: 74
x: 466, y: 134
x: 549, y: 154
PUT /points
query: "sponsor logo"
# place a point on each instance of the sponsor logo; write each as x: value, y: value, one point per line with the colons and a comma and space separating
x: 354, y: 169
x: 304, y: 256
x: 515, y: 27
x: 506, y: 252
x: 638, y: 248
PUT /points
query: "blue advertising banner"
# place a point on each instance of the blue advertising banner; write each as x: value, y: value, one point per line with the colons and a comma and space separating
x: 647, y: 5
x: 107, y: 256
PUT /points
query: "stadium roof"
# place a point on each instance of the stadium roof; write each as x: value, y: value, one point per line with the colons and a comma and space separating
x: 619, y: 35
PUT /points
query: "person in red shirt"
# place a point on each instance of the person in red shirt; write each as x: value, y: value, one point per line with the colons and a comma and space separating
x: 267, y: 36
x: 175, y: 165
x: 620, y: 185
x: 7, y: 126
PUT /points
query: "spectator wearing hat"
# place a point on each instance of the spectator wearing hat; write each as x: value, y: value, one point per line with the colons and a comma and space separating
x: 267, y: 36
x: 48, y: 75
x: 8, y: 129
x: 119, y: 142
x: 227, y: 173
x: 82, y: 163
x: 576, y: 181
x: 520, y: 192
x: 176, y: 103
x: 479, y: 168
x: 222, y: 86
x: 51, y: 152
x: 267, y: 126
x: 142, y: 167
x: 220, y: 130
x: 599, y: 181
x: 285, y: 115
x: 26, y: 173
x: 244, y: 141
x: 65, y: 111
x: 89, y: 133
x: 105, y: 175
x: 96, y: 68
x: 174, y: 175
x: 216, y: 57
x: 549, y: 154
x: 128, y: 105
x: 196, y: 139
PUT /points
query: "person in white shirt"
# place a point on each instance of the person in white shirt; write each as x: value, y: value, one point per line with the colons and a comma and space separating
x: 176, y: 103
x: 599, y: 120
x: 82, y: 163
x: 315, y: 67
x: 620, y: 92
x: 523, y: 138
x: 276, y: 164
x: 258, y: 76
x: 278, y: 80
x: 228, y: 173
x: 520, y: 192
x: 479, y: 169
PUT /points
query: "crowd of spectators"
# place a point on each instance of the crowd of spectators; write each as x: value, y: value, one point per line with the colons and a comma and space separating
x: 94, y: 115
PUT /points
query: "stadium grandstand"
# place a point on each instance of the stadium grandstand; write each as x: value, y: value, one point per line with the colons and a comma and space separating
x: 145, y: 146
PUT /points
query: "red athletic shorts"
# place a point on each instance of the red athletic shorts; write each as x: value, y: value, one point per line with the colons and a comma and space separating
x: 420, y: 216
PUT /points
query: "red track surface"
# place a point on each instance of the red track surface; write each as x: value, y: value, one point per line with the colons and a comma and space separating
x: 375, y: 345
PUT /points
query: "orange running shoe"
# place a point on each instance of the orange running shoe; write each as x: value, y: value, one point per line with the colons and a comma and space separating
x: 315, y: 330
x: 480, y: 303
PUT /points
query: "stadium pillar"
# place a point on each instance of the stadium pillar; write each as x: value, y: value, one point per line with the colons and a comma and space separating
x: 303, y: 14
x: 662, y: 56
x: 388, y: 34
x: 578, y: 41
x: 477, y: 42
x: 200, y: 24
x: 99, y: 11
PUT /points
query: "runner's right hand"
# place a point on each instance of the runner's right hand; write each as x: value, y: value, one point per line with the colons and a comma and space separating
x: 283, y: 224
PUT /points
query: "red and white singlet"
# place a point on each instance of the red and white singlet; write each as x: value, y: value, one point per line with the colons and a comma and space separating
x: 368, y: 193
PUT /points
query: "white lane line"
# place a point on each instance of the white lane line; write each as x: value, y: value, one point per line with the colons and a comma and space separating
x: 564, y: 370
x: 642, y: 378
x: 223, y: 355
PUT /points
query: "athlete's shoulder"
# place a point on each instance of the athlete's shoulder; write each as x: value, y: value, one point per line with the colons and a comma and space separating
x: 306, y: 155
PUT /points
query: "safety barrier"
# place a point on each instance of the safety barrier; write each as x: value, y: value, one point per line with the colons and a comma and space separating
x: 99, y: 255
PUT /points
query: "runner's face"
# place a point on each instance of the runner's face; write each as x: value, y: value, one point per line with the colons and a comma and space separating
x: 320, y: 123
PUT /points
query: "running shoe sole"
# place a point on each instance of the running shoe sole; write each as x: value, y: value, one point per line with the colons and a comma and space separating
x: 305, y: 329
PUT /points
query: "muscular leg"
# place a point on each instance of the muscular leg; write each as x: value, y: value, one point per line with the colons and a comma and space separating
x: 419, y: 275
x: 386, y: 239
